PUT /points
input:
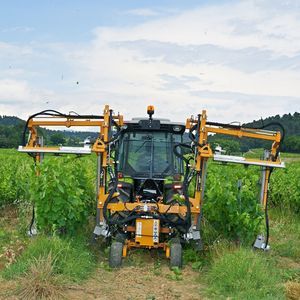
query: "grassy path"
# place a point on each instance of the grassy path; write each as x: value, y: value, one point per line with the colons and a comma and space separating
x: 225, y: 271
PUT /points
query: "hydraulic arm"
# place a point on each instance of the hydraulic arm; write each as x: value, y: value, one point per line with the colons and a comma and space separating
x: 200, y: 128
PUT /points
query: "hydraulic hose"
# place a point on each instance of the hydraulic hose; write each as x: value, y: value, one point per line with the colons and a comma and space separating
x: 32, y: 221
x: 48, y: 112
x: 117, y: 135
x: 271, y: 170
x: 185, y: 182
x: 267, y: 215
x: 178, y: 154
x: 55, y: 113
x: 282, y: 135
x: 186, y: 197
x: 192, y: 136
x: 108, y: 200
x: 115, y: 181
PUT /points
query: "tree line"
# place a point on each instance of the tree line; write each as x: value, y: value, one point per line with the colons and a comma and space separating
x: 11, y: 134
x: 11, y: 131
x: 290, y: 143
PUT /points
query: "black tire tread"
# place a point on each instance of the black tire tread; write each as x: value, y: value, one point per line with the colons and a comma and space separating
x: 176, y: 255
x: 115, y: 254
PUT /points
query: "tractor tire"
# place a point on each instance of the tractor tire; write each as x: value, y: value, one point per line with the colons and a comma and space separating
x: 176, y: 255
x: 115, y: 254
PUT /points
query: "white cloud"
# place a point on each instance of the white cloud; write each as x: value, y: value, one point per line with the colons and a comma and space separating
x: 245, y: 54
x: 13, y: 89
x: 130, y: 61
x: 18, y: 98
x: 217, y: 24
x: 24, y: 29
x: 7, y: 49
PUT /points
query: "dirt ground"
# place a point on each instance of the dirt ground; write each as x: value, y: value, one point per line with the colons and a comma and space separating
x: 137, y: 283
x: 143, y: 275
x: 127, y: 283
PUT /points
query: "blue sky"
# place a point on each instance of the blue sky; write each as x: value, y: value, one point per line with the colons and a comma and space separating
x: 240, y: 60
x: 74, y: 21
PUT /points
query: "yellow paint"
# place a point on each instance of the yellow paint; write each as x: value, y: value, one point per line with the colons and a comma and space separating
x: 147, y: 232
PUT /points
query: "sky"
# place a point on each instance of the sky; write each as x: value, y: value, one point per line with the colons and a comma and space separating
x: 239, y: 60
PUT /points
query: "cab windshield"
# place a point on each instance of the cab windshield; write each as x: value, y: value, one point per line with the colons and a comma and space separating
x: 149, y: 154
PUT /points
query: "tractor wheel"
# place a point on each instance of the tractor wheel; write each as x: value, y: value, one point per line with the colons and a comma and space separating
x: 176, y: 255
x: 115, y: 254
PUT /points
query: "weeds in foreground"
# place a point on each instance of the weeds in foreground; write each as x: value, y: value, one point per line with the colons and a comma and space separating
x: 41, y: 281
x: 293, y: 290
x: 285, y: 231
x: 176, y: 274
x: 72, y: 258
x: 198, y: 260
x: 157, y: 268
x: 244, y: 274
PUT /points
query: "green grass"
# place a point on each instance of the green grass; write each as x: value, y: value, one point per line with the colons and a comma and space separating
x: 225, y: 270
x: 244, y: 274
x: 234, y: 272
x: 285, y: 234
x: 71, y: 258
x: 258, y: 152
x: 290, y: 155
x: 5, y: 237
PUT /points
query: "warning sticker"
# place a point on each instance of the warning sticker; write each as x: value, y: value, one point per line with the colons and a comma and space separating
x: 138, y: 230
x: 155, y: 230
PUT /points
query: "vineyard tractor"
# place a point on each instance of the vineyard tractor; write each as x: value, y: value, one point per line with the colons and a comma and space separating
x: 151, y: 175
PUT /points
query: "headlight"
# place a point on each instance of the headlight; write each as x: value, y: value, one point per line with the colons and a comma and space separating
x: 177, y: 128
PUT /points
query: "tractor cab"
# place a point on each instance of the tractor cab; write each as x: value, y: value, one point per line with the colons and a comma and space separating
x: 147, y: 162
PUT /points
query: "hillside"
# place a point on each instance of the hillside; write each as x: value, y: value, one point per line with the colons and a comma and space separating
x: 291, y: 142
x: 291, y: 124
x: 11, y: 129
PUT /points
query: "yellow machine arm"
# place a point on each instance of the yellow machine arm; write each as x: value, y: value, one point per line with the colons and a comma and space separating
x: 47, y: 118
x: 200, y: 129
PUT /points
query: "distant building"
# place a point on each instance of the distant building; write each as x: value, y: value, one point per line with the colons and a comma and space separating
x: 219, y: 150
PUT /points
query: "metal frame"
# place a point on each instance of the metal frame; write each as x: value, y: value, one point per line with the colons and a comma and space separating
x: 202, y: 153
